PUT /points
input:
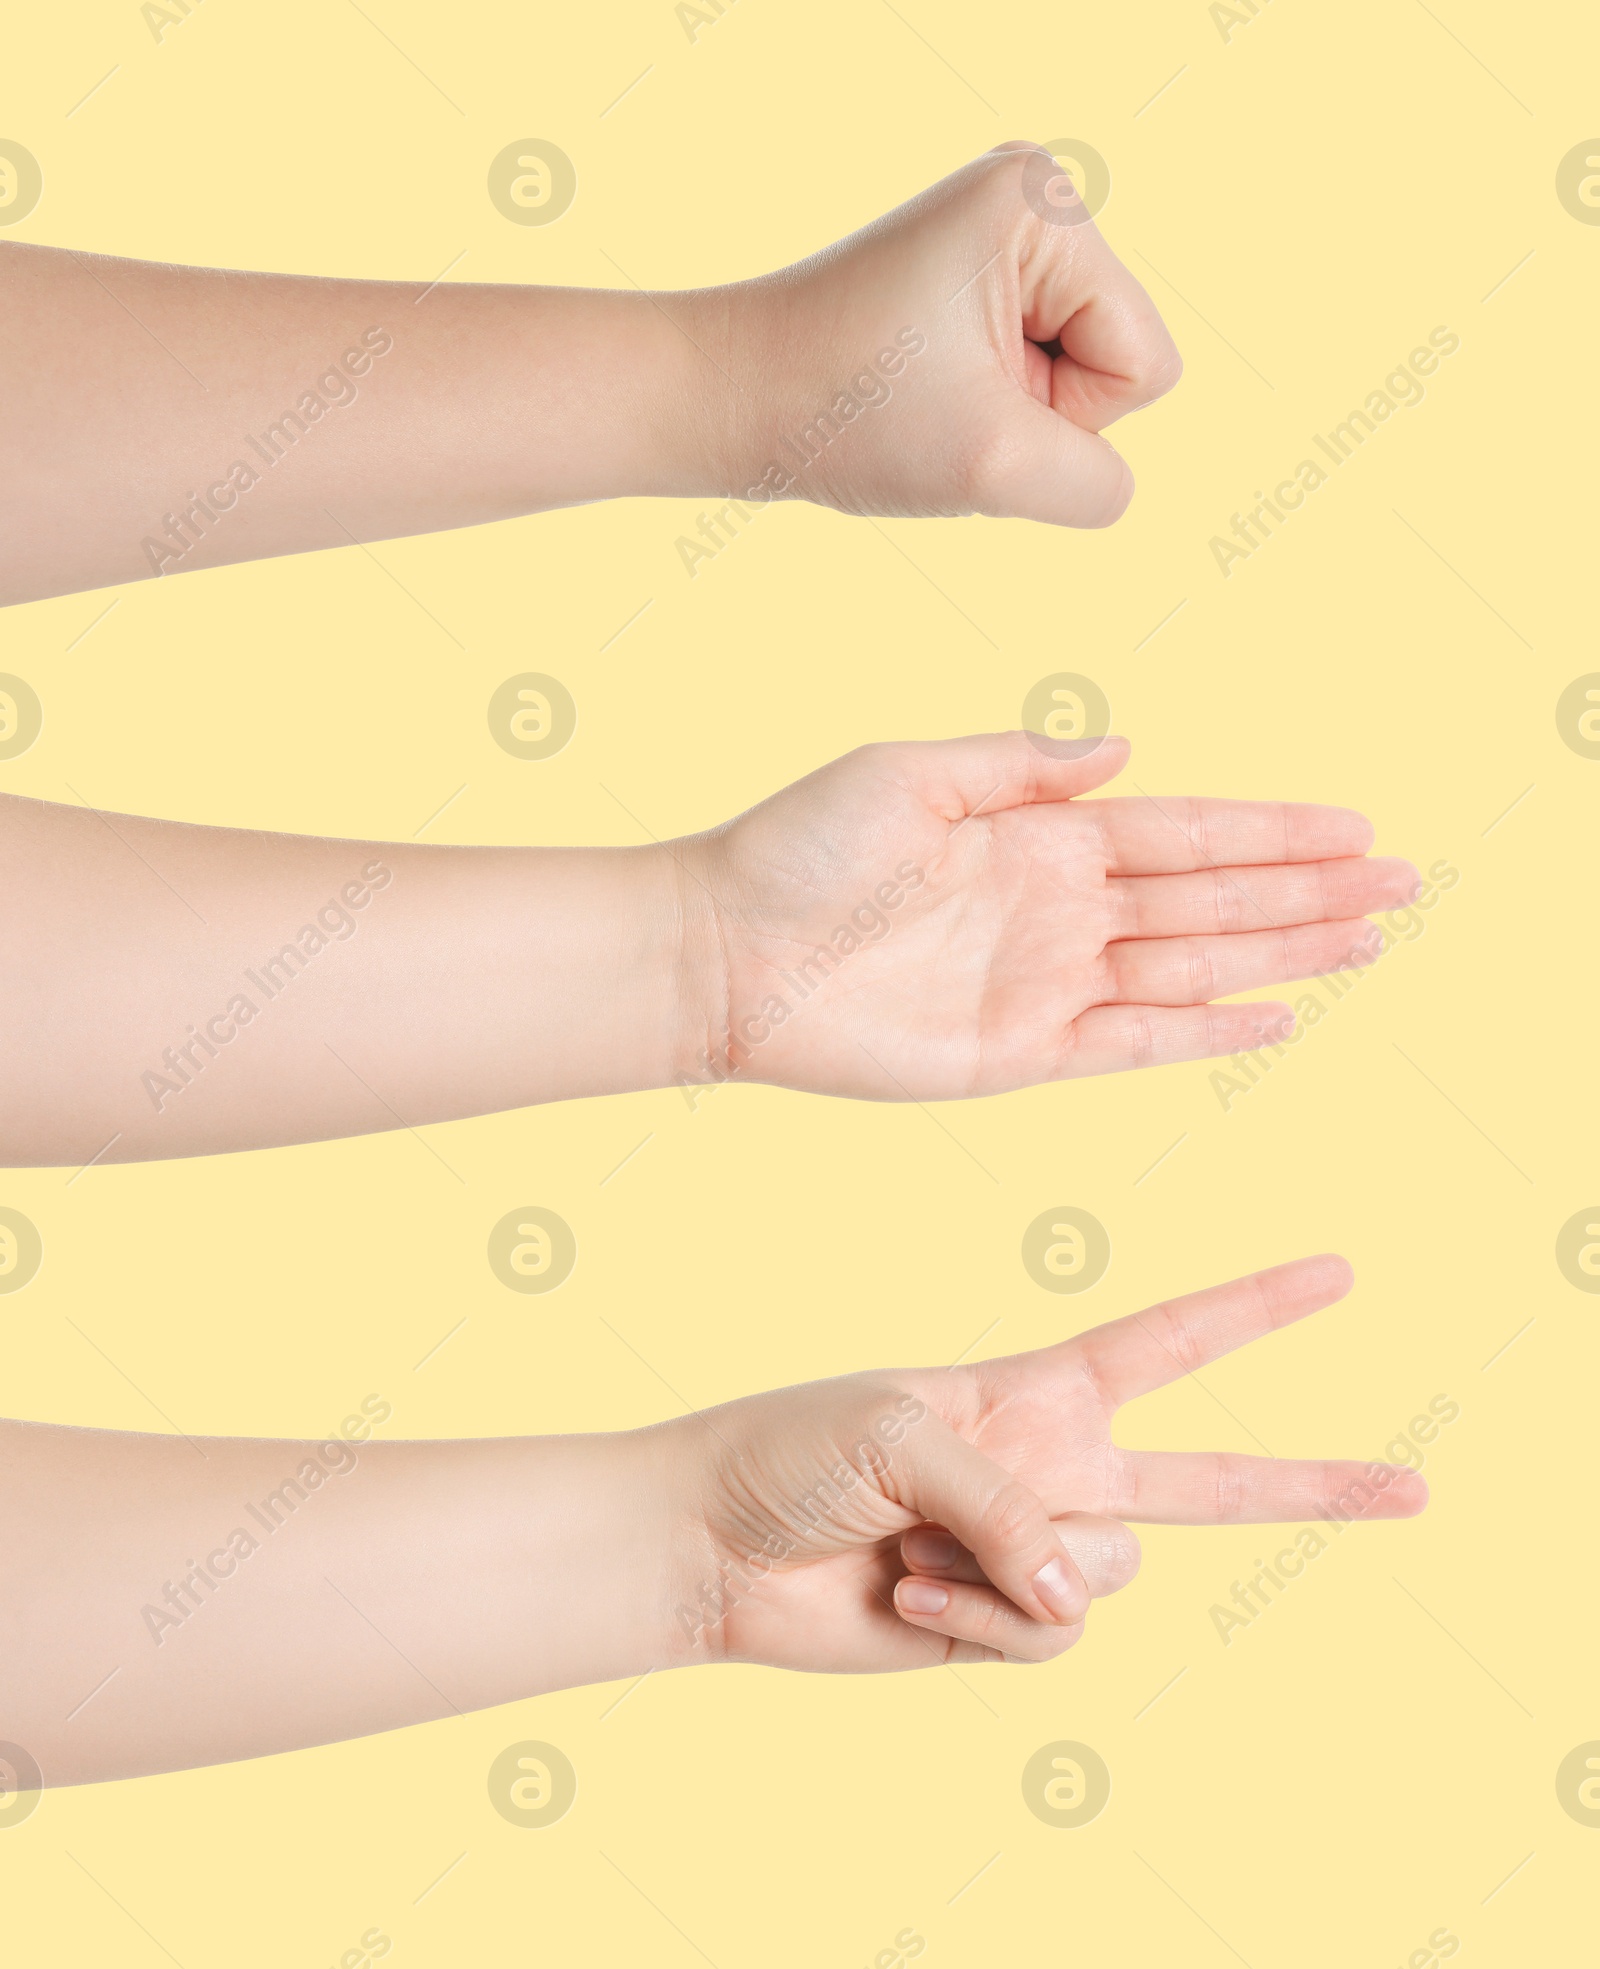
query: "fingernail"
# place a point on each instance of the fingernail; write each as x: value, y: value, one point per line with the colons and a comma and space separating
x: 934, y: 1550
x: 922, y: 1596
x: 1056, y: 1589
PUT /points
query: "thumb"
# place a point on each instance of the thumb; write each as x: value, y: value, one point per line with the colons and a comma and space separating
x: 992, y: 771
x: 943, y: 1478
x: 1047, y: 468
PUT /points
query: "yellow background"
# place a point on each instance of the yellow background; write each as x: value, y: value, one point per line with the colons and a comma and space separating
x: 1358, y: 1768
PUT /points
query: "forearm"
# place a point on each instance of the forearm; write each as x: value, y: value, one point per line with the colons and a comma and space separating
x: 963, y: 353
x: 162, y: 418
x: 167, y: 1603
x: 173, y: 990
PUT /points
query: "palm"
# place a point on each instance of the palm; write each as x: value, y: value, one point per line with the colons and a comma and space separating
x: 934, y: 921
x: 1046, y: 1418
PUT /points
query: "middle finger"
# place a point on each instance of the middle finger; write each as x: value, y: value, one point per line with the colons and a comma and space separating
x: 1224, y: 901
x: 1105, y: 1551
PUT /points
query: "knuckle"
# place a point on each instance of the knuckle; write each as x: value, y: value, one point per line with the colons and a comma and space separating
x: 1141, y: 1039
x: 1122, y: 909
x: 992, y: 177
x: 988, y: 470
x: 1181, y: 1341
x: 1202, y: 971
x: 1230, y: 905
x: 1092, y: 1364
x: 1196, y: 827
x: 1229, y: 1489
x: 990, y: 1626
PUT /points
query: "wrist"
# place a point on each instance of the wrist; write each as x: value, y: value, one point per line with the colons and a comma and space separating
x: 687, y: 385
x: 592, y: 1537
x: 686, y: 1580
x: 721, y: 417
x: 695, y: 955
x: 597, y: 393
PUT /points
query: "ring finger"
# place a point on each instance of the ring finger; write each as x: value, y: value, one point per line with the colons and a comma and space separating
x: 1221, y: 901
x: 1195, y: 970
x: 1104, y: 1550
x: 980, y: 1621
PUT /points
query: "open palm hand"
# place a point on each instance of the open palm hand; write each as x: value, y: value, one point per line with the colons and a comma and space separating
x: 930, y: 921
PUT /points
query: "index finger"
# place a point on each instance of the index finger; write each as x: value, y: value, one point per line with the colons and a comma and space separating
x: 1162, y: 836
x: 1208, y: 1487
x: 1129, y: 1357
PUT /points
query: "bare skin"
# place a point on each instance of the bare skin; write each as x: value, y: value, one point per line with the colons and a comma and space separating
x: 223, y: 1598
x: 921, y: 921
x: 969, y: 348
